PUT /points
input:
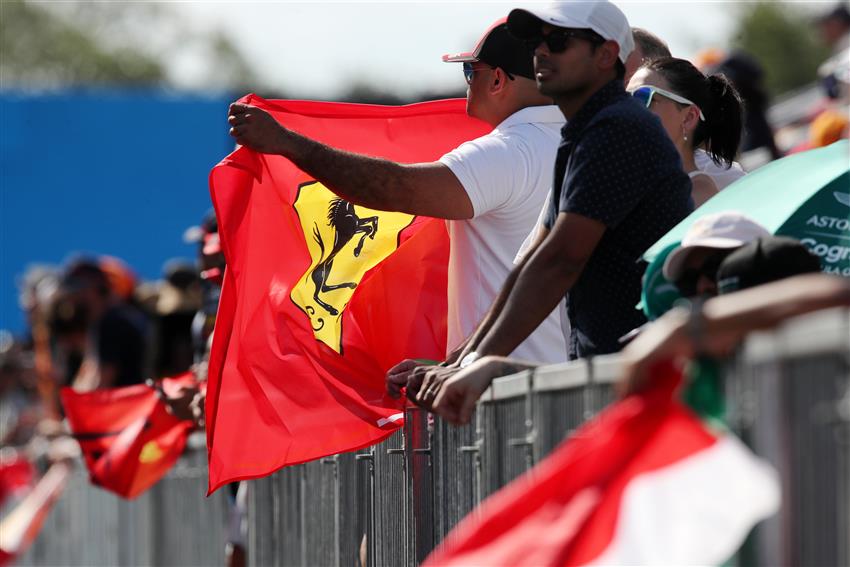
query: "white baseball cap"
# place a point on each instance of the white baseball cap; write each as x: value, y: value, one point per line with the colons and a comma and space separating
x: 601, y: 16
x: 724, y: 230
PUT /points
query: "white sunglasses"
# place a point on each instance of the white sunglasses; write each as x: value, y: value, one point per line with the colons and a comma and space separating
x: 645, y: 94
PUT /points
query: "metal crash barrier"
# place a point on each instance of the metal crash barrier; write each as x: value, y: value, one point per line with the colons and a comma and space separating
x: 170, y: 524
x: 788, y: 398
x: 389, y: 505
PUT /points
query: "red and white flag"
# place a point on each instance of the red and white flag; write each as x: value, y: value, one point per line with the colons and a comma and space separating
x: 644, y: 483
x: 21, y: 526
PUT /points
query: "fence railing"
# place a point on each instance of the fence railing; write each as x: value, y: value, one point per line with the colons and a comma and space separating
x: 788, y: 397
x: 171, y: 524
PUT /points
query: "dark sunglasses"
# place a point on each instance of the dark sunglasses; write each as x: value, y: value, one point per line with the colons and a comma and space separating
x: 558, y: 40
x: 469, y: 71
x: 687, y: 282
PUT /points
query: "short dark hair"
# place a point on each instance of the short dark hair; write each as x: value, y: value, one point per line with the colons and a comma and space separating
x: 652, y: 46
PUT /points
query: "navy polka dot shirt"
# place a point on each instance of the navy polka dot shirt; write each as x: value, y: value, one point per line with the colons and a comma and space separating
x: 615, y: 165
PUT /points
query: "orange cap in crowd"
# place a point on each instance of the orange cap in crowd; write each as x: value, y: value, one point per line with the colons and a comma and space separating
x: 827, y: 128
x: 122, y: 279
x: 708, y: 58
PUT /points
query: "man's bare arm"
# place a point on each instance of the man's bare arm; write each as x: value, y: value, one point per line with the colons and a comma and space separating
x: 428, y: 189
x: 726, y: 320
x: 495, y: 310
x: 550, y: 271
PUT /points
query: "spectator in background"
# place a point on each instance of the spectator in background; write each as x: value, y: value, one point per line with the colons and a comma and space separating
x: 828, y: 127
x: 38, y: 291
x: 834, y: 28
x: 696, y: 112
x: 648, y: 47
x: 172, y: 304
x: 763, y: 260
x: 779, y: 280
x: 692, y: 267
x: 211, y: 264
x: 747, y: 75
x: 20, y: 406
x: 112, y: 334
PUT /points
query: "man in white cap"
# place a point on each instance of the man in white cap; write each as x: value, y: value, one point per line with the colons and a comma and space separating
x: 618, y: 187
x: 693, y: 266
x: 490, y: 189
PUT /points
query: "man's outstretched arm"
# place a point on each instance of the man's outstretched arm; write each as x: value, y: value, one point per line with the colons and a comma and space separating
x: 428, y: 189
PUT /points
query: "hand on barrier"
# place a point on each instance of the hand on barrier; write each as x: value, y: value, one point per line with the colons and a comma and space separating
x: 431, y: 380
x: 459, y: 393
x: 398, y: 376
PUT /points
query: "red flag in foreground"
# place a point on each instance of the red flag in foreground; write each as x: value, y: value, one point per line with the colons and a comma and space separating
x: 128, y: 438
x: 645, y: 483
x: 320, y: 296
x: 19, y: 529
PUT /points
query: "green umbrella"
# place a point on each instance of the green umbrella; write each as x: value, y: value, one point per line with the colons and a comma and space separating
x: 805, y: 196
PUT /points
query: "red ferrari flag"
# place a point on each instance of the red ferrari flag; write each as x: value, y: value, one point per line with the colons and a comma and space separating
x: 321, y: 296
x: 128, y: 439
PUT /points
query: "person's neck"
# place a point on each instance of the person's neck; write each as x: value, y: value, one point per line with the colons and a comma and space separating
x: 509, y: 109
x: 689, y: 164
x: 572, y: 102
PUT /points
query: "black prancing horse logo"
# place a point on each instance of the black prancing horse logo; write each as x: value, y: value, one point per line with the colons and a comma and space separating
x: 346, y: 225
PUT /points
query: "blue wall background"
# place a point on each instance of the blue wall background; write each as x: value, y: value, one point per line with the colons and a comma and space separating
x: 118, y: 173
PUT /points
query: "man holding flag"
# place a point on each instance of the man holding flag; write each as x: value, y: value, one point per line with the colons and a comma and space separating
x: 490, y: 190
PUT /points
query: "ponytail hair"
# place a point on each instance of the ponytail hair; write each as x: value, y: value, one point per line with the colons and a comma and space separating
x: 720, y: 133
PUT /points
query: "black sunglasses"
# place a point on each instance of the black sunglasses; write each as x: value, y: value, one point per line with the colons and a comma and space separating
x: 558, y: 40
x: 469, y: 71
x: 687, y: 282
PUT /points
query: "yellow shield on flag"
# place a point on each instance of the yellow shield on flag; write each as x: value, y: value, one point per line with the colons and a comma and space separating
x: 345, y: 241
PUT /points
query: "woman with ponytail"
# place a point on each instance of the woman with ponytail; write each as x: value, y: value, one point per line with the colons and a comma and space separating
x: 698, y: 112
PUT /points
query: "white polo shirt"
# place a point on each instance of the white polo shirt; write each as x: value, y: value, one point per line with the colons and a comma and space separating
x: 507, y: 175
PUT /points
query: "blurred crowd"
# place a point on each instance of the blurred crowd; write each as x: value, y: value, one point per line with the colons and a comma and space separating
x: 92, y: 324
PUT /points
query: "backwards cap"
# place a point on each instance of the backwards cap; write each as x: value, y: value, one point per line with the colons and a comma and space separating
x: 500, y: 49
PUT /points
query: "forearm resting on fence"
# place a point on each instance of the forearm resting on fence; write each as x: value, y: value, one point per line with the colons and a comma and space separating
x: 495, y: 310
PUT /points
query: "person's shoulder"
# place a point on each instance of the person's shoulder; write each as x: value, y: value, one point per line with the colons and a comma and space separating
x: 627, y: 114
